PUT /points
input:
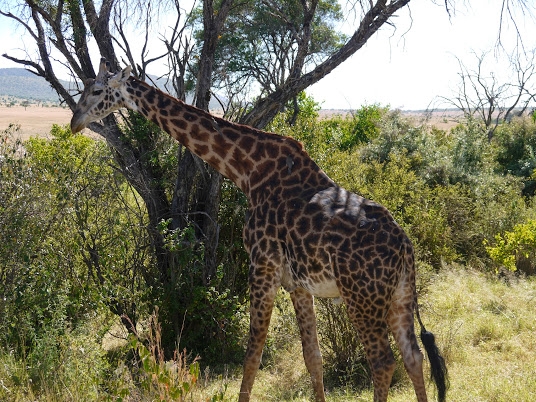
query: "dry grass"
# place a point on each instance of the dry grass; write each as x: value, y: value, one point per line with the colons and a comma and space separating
x: 487, y: 330
x: 37, y: 120
x: 485, y: 327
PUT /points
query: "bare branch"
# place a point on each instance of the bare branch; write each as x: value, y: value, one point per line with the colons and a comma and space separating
x: 484, y: 95
x: 508, y: 15
x: 179, y: 50
x: 21, y: 22
x: 124, y: 45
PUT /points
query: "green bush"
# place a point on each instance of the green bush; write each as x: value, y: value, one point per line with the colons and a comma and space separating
x: 516, y: 249
x: 37, y: 293
x: 362, y: 127
x: 204, y: 309
x: 516, y: 151
x: 76, y: 240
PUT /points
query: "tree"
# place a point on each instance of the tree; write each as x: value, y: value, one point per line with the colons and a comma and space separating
x: 265, y: 41
x: 64, y: 30
x: 483, y: 95
x: 295, y: 47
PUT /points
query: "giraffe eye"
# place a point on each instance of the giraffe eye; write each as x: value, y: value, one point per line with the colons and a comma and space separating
x: 96, y: 92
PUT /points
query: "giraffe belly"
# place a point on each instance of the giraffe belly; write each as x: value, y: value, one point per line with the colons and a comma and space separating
x: 313, y: 273
x: 319, y: 285
x: 324, y: 288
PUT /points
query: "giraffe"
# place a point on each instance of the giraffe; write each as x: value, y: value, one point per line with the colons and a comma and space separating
x: 303, y: 232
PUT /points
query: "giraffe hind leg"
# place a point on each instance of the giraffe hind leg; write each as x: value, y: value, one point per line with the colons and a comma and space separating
x: 401, y: 323
x: 374, y: 336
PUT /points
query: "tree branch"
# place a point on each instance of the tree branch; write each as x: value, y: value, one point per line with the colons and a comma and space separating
x: 266, y: 108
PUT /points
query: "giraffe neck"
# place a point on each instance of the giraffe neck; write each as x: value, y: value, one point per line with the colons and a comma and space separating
x: 253, y: 159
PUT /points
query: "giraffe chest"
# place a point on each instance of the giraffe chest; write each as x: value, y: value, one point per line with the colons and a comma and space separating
x: 296, y: 251
x: 308, y: 264
x: 314, y: 276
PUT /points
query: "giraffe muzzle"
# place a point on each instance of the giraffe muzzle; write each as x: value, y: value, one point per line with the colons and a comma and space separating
x: 77, y: 122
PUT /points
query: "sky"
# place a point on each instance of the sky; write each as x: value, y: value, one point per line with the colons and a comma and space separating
x: 409, y: 68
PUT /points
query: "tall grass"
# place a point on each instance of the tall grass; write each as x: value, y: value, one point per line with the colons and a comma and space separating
x: 486, y: 328
x: 69, y: 366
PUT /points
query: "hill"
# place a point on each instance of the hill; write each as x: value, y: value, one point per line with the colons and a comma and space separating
x: 21, y: 83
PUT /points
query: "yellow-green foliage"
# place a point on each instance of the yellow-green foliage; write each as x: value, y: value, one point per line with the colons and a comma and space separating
x: 172, y: 380
x: 510, y: 247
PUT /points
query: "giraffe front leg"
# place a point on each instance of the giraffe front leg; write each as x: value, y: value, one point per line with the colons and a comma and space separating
x: 305, y: 314
x: 262, y: 297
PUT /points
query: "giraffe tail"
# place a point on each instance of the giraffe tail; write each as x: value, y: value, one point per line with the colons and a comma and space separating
x: 439, y: 372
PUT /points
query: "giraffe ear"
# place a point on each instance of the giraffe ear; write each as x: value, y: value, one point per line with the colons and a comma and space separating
x: 121, y: 77
x: 103, y: 70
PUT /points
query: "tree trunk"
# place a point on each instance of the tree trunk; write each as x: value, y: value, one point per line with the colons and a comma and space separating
x: 207, y: 203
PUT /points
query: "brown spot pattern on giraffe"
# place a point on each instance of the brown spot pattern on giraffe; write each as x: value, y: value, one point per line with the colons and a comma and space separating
x: 303, y: 232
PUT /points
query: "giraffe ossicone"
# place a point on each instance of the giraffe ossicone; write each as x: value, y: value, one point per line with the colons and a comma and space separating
x: 303, y: 232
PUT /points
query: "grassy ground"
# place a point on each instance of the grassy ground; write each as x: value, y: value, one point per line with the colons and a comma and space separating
x: 485, y: 327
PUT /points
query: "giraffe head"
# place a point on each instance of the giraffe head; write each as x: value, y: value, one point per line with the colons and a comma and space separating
x: 101, y: 96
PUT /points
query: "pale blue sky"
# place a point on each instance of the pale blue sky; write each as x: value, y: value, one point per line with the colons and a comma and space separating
x: 411, y: 67
x: 407, y: 68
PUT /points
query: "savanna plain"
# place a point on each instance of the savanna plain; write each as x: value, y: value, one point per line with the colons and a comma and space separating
x: 468, y: 210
